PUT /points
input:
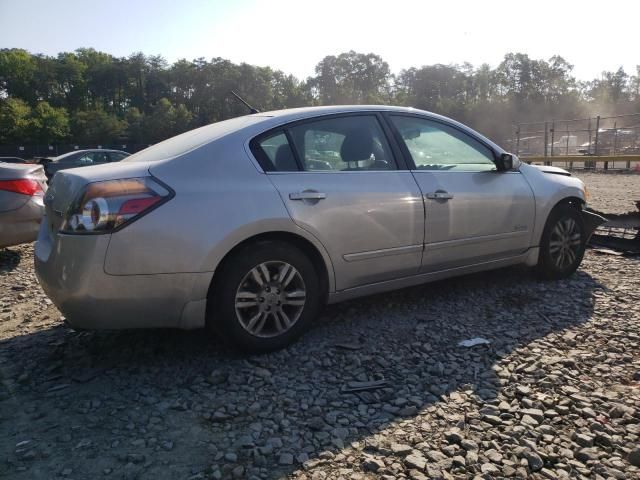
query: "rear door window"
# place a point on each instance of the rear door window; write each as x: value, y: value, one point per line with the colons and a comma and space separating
x: 350, y: 143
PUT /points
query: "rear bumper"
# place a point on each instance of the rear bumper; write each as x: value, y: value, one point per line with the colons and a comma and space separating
x: 70, y: 269
x: 21, y: 225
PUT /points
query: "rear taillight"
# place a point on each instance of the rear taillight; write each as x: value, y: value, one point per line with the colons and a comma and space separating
x: 104, y: 207
x: 25, y: 186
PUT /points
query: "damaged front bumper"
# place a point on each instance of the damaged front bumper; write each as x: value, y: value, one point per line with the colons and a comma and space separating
x: 591, y: 222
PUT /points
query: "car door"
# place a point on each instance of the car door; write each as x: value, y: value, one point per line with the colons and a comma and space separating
x: 340, y: 180
x: 474, y: 213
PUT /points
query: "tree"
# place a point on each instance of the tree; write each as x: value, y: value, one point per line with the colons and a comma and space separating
x: 17, y: 69
x: 141, y: 98
x: 97, y: 127
x: 48, y: 124
x: 165, y: 121
x: 352, y: 78
x: 135, y: 125
x: 14, y: 120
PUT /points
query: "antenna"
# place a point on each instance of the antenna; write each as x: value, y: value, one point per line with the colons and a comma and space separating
x: 251, y: 109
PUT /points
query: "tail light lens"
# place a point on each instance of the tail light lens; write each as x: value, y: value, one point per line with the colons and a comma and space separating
x: 25, y: 186
x: 104, y: 207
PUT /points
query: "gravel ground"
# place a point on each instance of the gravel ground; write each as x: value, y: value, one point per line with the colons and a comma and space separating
x: 555, y: 395
x: 612, y: 192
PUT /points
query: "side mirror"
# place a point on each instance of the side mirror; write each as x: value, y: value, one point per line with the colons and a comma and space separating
x: 504, y: 162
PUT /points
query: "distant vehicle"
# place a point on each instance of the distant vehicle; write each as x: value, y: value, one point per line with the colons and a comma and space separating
x: 566, y: 145
x: 235, y: 227
x: 22, y: 188
x: 81, y: 158
x: 13, y: 160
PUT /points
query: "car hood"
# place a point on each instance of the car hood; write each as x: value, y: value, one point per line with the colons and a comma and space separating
x: 554, y: 170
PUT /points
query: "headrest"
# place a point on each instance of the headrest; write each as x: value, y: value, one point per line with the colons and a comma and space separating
x: 357, y: 145
x: 285, y: 161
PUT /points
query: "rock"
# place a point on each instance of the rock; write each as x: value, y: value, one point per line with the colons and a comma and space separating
x: 285, y: 459
x: 262, y: 372
x: 585, y: 455
x: 400, y: 449
x: 634, y: 457
x: 238, y: 472
x: 534, y: 460
x: 417, y: 475
x: 167, y: 445
x: 316, y: 424
x: 468, y: 444
x: 528, y: 420
x: 436, y: 456
x: 453, y: 436
x: 372, y: 464
x: 583, y: 440
x: 489, y: 469
x: 415, y: 461
x: 534, y: 413
x: 492, y: 419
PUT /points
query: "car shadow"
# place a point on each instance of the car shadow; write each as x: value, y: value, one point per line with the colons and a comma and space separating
x: 9, y: 260
x: 170, y: 404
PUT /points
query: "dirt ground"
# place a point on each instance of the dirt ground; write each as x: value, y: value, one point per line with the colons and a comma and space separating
x: 554, y: 395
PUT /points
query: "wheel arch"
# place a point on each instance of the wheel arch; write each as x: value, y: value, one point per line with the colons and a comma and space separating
x: 574, y: 202
x: 319, y: 259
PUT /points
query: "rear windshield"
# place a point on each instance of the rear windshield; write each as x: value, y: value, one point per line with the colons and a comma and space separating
x: 191, y: 140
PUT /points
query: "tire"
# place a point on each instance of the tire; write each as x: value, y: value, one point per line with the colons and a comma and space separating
x: 254, y: 307
x: 563, y: 243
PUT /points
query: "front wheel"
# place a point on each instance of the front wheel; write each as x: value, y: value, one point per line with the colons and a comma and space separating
x: 563, y: 243
x: 266, y: 296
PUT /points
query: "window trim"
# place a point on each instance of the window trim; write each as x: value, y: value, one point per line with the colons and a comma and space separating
x: 260, y: 155
x: 265, y: 163
x: 405, y: 150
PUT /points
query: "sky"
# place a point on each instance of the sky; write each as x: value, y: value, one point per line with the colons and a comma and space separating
x: 294, y: 36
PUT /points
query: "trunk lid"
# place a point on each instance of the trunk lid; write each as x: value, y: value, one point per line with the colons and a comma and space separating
x: 14, y: 171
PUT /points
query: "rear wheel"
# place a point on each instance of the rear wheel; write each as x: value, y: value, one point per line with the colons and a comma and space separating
x: 265, y: 297
x: 563, y: 243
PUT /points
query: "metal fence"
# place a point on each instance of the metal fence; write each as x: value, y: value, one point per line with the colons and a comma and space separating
x: 611, y: 142
x: 32, y: 151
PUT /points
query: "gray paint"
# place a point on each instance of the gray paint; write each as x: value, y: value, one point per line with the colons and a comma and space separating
x: 369, y: 228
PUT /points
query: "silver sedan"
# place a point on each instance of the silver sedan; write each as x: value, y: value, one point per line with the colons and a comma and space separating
x: 22, y: 188
x: 250, y: 225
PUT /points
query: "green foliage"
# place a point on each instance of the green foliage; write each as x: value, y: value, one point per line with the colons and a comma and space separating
x: 142, y: 99
x: 165, y: 120
x: 19, y: 123
x: 48, y: 124
x: 96, y: 127
x: 14, y: 120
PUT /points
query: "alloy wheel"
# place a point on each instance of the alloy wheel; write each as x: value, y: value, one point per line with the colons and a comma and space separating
x: 565, y: 242
x: 270, y: 299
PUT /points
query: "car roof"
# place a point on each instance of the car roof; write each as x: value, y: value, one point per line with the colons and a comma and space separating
x: 308, y: 112
x: 280, y: 117
x: 248, y: 126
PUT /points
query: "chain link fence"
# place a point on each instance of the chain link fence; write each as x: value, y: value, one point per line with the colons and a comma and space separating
x: 611, y: 142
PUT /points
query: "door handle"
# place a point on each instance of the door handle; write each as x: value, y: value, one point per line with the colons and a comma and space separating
x: 307, y: 195
x: 439, y: 195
